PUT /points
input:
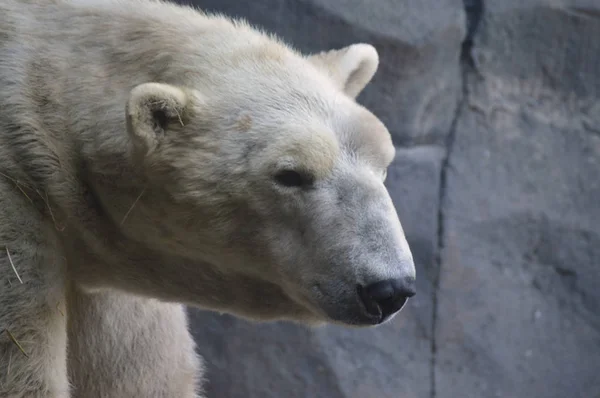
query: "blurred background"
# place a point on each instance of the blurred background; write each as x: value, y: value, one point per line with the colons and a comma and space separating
x: 494, y: 107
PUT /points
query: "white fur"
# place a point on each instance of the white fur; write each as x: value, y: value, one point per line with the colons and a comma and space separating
x: 140, y: 148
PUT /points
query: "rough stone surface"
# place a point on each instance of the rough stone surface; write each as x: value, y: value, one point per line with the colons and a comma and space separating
x: 544, y: 44
x: 416, y: 88
x: 507, y: 184
x: 413, y: 182
x: 519, y: 304
x: 286, y: 360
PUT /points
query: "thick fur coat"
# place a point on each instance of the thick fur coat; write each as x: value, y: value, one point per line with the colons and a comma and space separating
x: 151, y: 157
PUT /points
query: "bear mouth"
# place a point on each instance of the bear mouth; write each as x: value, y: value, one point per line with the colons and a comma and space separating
x: 358, y: 311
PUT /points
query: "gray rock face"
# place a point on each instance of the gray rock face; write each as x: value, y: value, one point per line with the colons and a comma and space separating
x: 519, y: 304
x: 497, y: 183
x: 285, y: 360
x: 518, y: 298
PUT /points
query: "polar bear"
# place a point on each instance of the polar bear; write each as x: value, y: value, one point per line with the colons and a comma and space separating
x: 153, y: 156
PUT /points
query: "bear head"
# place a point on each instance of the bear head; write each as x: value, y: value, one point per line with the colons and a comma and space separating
x: 271, y: 171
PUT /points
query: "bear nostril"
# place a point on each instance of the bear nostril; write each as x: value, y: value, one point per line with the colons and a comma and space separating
x: 386, y: 297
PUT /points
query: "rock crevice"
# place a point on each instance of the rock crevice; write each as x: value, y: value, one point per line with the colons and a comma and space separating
x: 473, y: 11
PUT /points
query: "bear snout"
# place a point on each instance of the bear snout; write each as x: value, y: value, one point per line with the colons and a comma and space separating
x: 387, y: 297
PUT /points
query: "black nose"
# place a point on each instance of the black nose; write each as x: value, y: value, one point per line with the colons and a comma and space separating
x: 384, y: 298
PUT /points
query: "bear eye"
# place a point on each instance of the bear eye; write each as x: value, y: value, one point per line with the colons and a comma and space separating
x: 290, y: 178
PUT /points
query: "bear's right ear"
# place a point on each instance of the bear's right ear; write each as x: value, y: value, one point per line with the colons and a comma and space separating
x: 151, y: 109
x: 351, y: 67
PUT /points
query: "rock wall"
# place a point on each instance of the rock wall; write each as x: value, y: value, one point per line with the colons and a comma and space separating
x: 495, y: 109
x: 518, y: 304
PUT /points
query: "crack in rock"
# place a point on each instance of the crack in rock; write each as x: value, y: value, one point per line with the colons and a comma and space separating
x: 474, y: 12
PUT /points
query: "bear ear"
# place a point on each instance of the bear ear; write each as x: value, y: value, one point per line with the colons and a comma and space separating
x: 351, y: 67
x: 152, y: 109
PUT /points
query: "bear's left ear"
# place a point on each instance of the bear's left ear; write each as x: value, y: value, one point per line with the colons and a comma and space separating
x: 351, y: 67
x: 152, y: 109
